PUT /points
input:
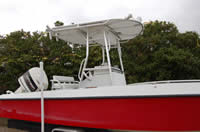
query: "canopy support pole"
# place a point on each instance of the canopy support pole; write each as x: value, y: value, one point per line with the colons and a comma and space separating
x: 108, y: 55
x: 120, y: 55
x: 103, y: 55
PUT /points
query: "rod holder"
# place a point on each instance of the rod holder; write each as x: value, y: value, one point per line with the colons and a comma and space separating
x: 42, y: 96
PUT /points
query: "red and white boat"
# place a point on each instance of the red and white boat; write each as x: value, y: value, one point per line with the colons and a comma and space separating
x: 101, y: 98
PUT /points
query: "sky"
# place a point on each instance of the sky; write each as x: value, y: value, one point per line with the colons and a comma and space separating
x: 34, y: 15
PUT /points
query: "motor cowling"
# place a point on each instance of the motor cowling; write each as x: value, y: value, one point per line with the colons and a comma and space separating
x: 30, y: 81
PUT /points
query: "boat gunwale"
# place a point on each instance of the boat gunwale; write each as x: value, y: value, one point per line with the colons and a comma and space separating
x: 107, y: 97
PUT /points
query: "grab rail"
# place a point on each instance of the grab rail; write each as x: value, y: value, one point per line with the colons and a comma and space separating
x: 80, y: 69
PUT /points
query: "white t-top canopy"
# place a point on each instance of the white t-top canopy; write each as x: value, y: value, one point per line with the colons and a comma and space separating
x: 115, y: 29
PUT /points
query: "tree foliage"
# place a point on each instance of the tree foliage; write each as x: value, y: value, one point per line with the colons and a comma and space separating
x: 160, y: 53
x: 58, y: 23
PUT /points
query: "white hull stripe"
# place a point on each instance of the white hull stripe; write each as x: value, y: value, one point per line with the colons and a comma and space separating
x: 107, y: 97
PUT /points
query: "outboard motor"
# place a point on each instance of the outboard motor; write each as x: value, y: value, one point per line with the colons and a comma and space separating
x: 30, y: 81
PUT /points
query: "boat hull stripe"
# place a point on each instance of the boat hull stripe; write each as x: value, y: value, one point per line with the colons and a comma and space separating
x: 104, y: 97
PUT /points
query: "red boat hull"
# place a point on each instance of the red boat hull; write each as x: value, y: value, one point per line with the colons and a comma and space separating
x: 159, y: 113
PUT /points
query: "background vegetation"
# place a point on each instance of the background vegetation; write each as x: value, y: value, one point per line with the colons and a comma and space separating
x: 160, y: 53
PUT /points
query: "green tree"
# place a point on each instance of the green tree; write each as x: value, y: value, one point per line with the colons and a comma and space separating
x: 162, y: 53
x: 21, y: 51
x: 58, y: 23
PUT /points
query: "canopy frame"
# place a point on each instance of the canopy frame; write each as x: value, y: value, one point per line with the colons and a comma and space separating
x: 107, y: 33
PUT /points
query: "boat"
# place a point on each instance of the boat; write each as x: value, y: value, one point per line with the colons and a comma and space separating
x: 101, y: 99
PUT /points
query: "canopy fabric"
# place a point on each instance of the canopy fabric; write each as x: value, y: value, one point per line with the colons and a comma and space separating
x: 116, y: 29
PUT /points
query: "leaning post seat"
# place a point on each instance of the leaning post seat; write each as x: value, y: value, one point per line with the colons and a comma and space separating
x: 64, y: 82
